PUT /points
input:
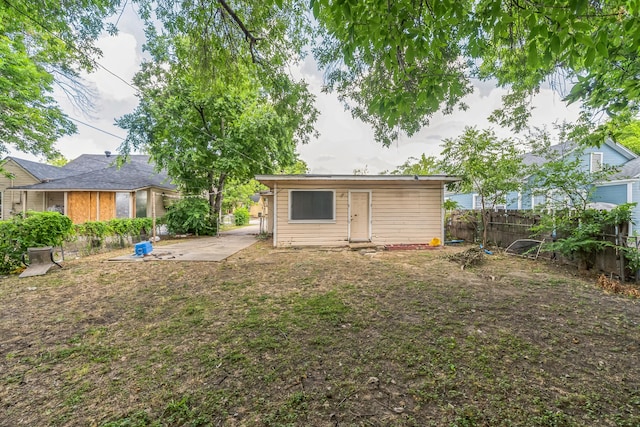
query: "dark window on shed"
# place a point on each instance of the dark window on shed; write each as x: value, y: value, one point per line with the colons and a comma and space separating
x: 312, y: 205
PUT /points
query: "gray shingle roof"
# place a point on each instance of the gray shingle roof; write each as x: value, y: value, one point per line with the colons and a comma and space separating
x: 558, y: 149
x: 98, y: 172
x: 631, y: 169
x: 41, y: 171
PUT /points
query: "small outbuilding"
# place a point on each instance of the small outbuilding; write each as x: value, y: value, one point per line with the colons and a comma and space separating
x: 337, y: 210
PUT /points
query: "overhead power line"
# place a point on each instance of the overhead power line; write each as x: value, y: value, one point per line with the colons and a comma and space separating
x: 97, y: 128
x: 44, y: 27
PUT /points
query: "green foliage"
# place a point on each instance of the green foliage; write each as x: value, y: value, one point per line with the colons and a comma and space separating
x: 237, y: 194
x: 629, y: 135
x: 300, y: 167
x: 217, y: 102
x: 190, y: 215
x: 425, y: 165
x: 564, y: 178
x: 35, y: 229
x: 395, y: 64
x: 241, y: 216
x: 488, y: 166
x: 129, y: 227
x: 43, y: 44
x: 94, y: 229
x: 450, y: 205
x: 580, y: 233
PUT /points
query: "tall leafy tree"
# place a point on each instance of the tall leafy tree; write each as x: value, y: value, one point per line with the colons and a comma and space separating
x: 561, y: 179
x: 395, y: 63
x: 489, y: 167
x: 44, y: 43
x: 205, y: 133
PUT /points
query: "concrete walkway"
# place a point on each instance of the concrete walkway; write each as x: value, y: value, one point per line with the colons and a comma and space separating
x: 200, y: 248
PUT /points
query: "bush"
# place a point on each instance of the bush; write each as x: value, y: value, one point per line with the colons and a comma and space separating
x: 241, y: 216
x: 94, y: 231
x: 35, y: 229
x: 134, y: 228
x: 190, y: 215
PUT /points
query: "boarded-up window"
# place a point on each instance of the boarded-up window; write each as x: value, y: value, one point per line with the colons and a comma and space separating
x: 123, y: 204
x: 141, y: 204
x: 311, y: 205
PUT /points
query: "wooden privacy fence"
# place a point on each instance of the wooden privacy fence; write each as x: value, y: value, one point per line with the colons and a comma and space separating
x: 504, y: 227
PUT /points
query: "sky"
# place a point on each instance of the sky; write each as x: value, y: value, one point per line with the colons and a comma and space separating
x: 344, y: 144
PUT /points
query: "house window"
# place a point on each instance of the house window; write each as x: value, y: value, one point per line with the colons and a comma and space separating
x: 538, y: 201
x: 477, y: 203
x: 123, y: 205
x: 312, y: 205
x: 596, y: 162
x: 141, y: 204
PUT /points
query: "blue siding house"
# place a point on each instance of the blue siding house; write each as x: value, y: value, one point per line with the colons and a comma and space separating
x: 621, y: 187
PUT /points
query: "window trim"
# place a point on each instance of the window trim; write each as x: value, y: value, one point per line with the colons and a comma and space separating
x: 591, y: 156
x: 312, y: 221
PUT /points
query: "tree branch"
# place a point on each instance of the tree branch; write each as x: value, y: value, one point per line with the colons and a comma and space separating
x: 253, y: 40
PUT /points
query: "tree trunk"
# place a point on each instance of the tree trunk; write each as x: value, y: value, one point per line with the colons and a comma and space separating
x: 485, y: 220
x: 215, y: 199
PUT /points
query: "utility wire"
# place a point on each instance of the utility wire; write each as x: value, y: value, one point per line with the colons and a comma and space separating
x: 23, y: 13
x: 121, y: 12
x: 96, y: 128
x: 259, y: 162
x: 35, y: 21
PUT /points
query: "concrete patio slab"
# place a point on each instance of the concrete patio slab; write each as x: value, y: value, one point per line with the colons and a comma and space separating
x: 200, y: 248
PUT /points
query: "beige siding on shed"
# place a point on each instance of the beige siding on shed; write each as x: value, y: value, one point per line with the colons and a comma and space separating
x: 401, y: 213
x: 407, y: 215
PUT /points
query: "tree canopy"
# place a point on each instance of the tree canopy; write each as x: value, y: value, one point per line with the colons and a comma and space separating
x: 425, y: 165
x: 394, y: 64
x: 43, y: 44
x: 208, y: 121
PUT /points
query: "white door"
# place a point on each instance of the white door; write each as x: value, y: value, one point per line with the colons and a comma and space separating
x: 359, y: 223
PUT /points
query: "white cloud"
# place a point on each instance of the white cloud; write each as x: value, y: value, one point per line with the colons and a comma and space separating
x: 344, y: 144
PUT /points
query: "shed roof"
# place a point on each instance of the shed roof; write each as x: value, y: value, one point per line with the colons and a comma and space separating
x: 270, y: 180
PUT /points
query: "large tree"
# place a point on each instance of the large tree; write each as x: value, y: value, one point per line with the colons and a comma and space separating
x: 205, y: 132
x: 488, y: 166
x: 395, y: 63
x: 44, y: 43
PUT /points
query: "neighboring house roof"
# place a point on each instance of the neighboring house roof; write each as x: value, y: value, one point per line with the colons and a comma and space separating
x: 99, y: 172
x: 567, y: 147
x: 269, y: 180
x: 631, y: 169
x: 561, y: 149
x: 40, y: 171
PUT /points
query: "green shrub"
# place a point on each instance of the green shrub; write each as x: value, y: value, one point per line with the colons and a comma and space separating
x: 241, y: 216
x: 190, y: 215
x: 125, y: 228
x: 94, y: 231
x: 35, y: 229
x: 141, y: 226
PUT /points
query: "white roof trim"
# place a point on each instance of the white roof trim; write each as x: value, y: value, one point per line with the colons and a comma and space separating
x: 311, y: 177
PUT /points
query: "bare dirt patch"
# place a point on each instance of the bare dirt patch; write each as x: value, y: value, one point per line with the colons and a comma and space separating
x: 320, y: 338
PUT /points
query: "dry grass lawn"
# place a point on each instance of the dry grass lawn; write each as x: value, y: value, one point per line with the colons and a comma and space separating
x: 317, y: 338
